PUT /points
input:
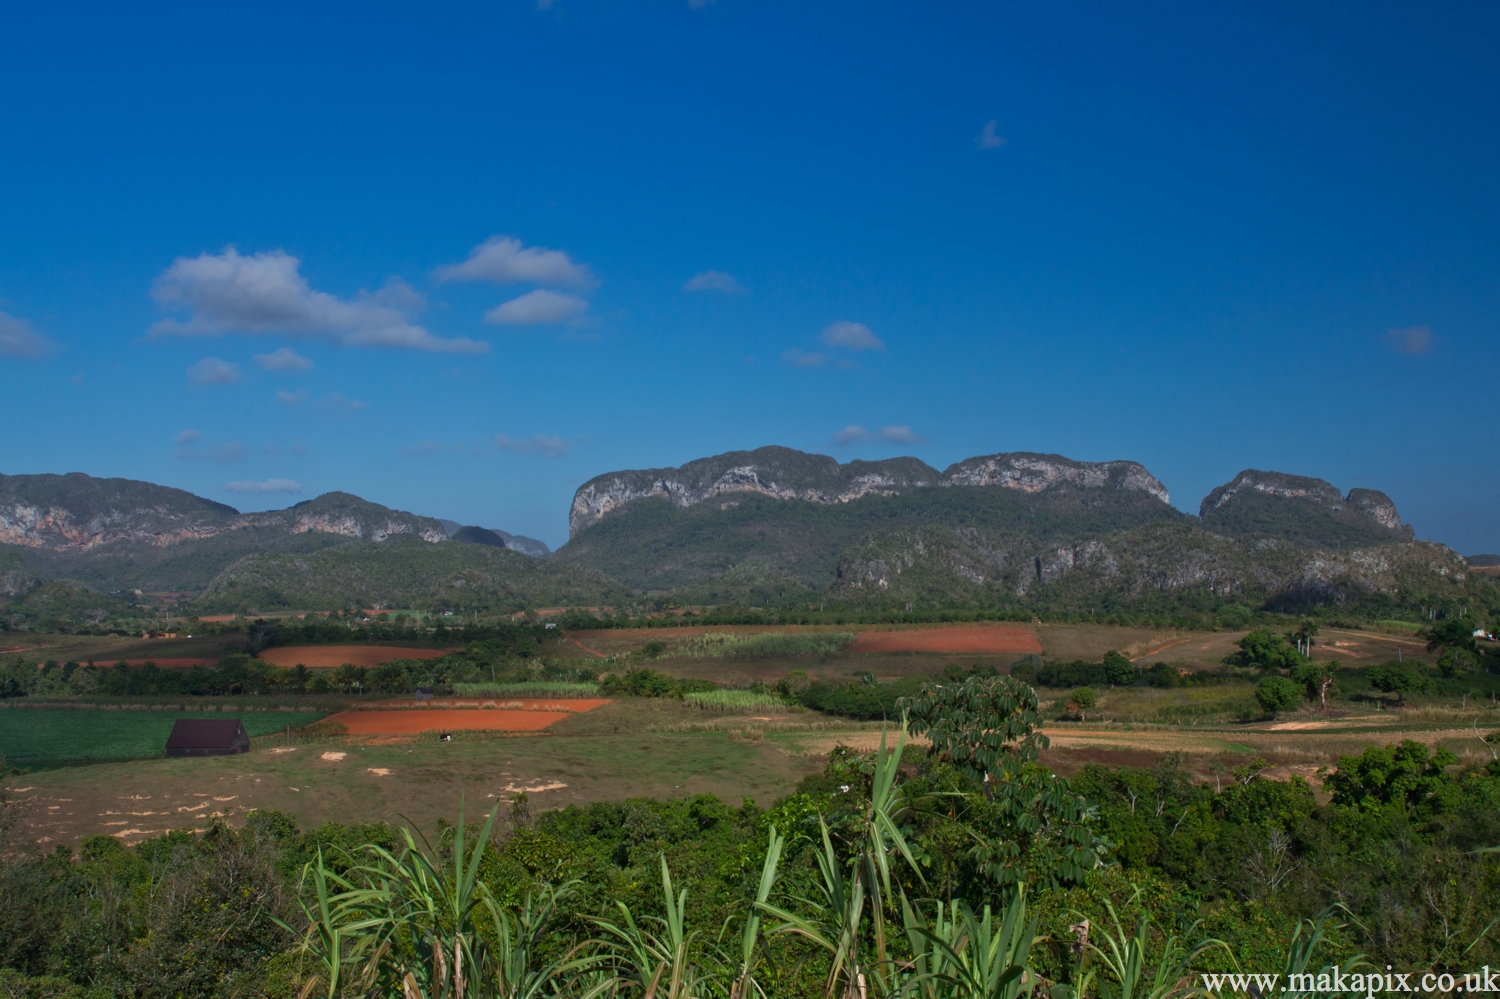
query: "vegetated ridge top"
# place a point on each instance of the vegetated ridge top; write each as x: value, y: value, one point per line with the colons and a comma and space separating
x: 786, y: 473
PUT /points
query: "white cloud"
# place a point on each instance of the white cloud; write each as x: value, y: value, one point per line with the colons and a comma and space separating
x: 802, y: 359
x: 854, y: 336
x: 851, y: 434
x: 543, y: 444
x: 714, y: 281
x: 285, y: 398
x: 855, y: 434
x: 1410, y: 340
x: 537, y: 308
x: 187, y: 437
x: 900, y: 435
x: 268, y: 486
x: 336, y: 403
x: 264, y: 293
x: 18, y: 339
x: 504, y: 260
x: 213, y: 371
x: 987, y: 138
x: 283, y: 359
x: 189, y: 449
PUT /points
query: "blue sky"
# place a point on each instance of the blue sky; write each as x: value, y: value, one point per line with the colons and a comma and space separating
x: 458, y: 258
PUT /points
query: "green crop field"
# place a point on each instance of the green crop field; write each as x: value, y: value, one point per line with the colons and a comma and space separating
x: 32, y: 736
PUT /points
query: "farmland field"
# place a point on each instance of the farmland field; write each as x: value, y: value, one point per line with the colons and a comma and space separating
x: 33, y: 736
x: 324, y: 656
x: 491, y: 716
x: 969, y: 638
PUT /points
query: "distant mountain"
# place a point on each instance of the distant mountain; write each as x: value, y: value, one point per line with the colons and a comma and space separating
x: 779, y: 514
x: 405, y: 573
x: 1302, y: 510
x: 120, y: 534
x: 1483, y: 561
x: 784, y: 473
x: 496, y: 537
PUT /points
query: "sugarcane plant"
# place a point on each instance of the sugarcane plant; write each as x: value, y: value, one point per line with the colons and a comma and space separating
x: 963, y: 956
x: 847, y: 888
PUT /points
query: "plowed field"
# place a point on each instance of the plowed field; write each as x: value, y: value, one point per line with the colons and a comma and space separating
x: 962, y: 638
x: 323, y: 656
x: 513, y: 716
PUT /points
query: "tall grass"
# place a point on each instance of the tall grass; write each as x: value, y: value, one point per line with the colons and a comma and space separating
x: 775, y: 644
x: 734, y: 700
x: 537, y: 688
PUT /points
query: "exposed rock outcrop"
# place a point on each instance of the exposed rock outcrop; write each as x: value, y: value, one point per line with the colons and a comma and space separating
x: 784, y: 473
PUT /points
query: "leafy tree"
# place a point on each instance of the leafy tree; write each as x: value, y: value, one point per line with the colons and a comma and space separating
x: 1317, y: 680
x: 1396, y: 678
x: 1265, y: 650
x: 1384, y: 775
x: 1036, y: 828
x: 1453, y: 633
x: 1084, y: 697
x: 1118, y: 670
x: 1277, y: 694
x: 1454, y: 662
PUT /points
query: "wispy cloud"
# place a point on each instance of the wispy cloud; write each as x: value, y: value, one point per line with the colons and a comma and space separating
x: 505, y: 260
x: 191, y: 447
x: 1409, y: 340
x: 264, y: 293
x: 537, y: 308
x: 335, y: 403
x: 855, y: 434
x: 987, y: 138
x: 213, y: 371
x: 715, y: 281
x: 263, y: 487
x: 852, y: 336
x: 545, y: 445
x: 19, y: 340
x: 285, y: 398
x: 802, y: 359
x: 283, y: 359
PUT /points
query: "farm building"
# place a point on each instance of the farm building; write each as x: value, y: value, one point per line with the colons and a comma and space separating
x: 207, y: 737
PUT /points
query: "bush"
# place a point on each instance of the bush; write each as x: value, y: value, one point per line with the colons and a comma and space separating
x: 1277, y: 693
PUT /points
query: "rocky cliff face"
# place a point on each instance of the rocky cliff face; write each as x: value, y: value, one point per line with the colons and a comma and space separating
x: 1371, y: 503
x: 1034, y: 472
x: 784, y: 473
x: 1308, y: 511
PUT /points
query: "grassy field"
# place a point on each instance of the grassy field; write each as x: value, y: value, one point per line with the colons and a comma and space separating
x: 31, y: 737
x: 732, y: 743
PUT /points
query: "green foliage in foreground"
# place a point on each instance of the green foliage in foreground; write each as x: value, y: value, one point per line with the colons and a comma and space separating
x: 872, y: 868
x: 29, y: 736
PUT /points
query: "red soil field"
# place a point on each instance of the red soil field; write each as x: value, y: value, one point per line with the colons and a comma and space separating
x: 322, y: 656
x: 413, y: 720
x: 962, y: 638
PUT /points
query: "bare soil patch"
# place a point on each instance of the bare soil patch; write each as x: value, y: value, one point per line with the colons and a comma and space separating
x: 325, y: 656
x: 516, y: 716
x: 964, y: 638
